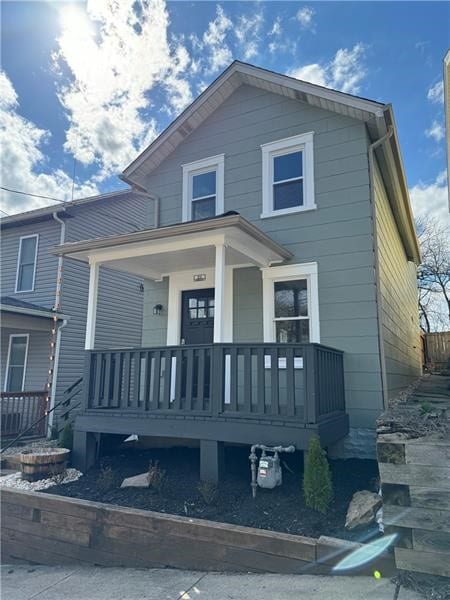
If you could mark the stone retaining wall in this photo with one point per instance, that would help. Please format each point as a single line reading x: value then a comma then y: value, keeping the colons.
x: 415, y: 482
x: 49, y: 529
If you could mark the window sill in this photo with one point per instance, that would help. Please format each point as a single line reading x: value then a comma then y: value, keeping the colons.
x: 288, y: 211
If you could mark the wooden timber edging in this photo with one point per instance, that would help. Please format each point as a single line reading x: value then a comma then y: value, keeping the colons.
x: 54, y: 530
x: 415, y: 483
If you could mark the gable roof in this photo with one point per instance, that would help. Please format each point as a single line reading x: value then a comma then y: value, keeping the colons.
x: 378, y: 117
x: 237, y: 74
x: 43, y: 214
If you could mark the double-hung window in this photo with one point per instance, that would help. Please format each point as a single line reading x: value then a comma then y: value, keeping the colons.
x: 288, y: 175
x: 16, y: 363
x: 203, y: 188
x: 26, y: 263
x: 291, y: 303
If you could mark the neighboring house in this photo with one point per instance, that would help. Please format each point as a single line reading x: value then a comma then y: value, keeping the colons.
x: 285, y: 232
x: 42, y: 343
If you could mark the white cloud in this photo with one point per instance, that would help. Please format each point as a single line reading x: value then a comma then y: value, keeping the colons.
x: 344, y: 72
x: 430, y: 200
x: 436, y: 131
x: 305, y: 17
x: 213, y: 41
x: 436, y: 93
x: 276, y: 27
x: 23, y: 163
x: 116, y: 53
x: 248, y: 30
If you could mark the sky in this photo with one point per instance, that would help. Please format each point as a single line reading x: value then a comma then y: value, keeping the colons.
x: 86, y: 86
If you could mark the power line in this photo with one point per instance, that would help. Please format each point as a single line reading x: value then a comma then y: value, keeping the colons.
x: 4, y: 212
x: 114, y: 217
x: 29, y: 194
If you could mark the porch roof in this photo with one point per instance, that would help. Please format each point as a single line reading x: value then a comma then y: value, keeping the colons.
x: 180, y: 247
x: 14, y: 305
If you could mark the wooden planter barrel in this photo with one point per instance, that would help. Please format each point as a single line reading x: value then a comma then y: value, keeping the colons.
x: 43, y: 463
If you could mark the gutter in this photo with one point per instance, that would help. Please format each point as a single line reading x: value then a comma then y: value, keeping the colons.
x: 382, y: 355
x: 55, y: 376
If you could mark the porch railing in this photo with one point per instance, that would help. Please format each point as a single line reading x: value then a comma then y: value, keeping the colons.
x: 19, y: 410
x: 276, y: 381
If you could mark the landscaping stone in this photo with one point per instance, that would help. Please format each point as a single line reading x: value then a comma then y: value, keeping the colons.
x: 141, y: 481
x: 362, y: 509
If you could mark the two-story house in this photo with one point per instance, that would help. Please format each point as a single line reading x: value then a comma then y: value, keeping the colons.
x: 280, y: 281
x: 44, y: 298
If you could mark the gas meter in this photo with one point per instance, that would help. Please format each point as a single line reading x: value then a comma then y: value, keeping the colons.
x: 269, y: 471
x: 266, y: 472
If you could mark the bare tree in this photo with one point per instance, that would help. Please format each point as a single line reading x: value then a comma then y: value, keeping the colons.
x: 433, y: 275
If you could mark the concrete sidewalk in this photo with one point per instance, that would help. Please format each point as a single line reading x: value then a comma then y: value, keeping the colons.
x: 20, y: 582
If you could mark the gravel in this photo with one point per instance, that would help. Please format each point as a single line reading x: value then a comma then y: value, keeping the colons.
x: 15, y: 481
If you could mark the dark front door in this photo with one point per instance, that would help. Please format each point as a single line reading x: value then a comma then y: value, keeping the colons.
x: 197, y: 319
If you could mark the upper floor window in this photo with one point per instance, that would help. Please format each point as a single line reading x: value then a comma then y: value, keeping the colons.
x: 203, y: 188
x: 288, y: 175
x: 26, y: 263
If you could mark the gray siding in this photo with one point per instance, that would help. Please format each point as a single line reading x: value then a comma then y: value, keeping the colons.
x: 154, y: 331
x: 247, y: 305
x: 338, y: 235
x: 398, y: 288
x: 46, y: 266
x: 37, y: 359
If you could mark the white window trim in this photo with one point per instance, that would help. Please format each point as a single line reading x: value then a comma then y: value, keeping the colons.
x: 304, y: 143
x: 24, y: 237
x: 270, y: 275
x: 11, y: 337
x: 197, y: 167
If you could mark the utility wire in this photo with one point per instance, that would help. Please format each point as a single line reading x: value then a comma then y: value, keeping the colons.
x: 29, y: 194
x: 4, y: 212
x: 114, y: 217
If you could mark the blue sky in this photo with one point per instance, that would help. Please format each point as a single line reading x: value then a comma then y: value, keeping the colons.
x: 97, y: 81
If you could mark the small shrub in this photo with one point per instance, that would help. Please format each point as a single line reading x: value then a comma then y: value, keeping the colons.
x: 208, y: 491
x: 156, y: 476
x: 66, y: 436
x: 426, y: 407
x: 106, y: 479
x: 317, y: 484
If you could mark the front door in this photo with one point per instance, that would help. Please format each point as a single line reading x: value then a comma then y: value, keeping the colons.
x: 197, y: 317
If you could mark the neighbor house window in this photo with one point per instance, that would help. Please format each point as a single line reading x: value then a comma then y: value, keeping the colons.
x: 16, y: 363
x: 291, y: 304
x: 288, y: 175
x: 26, y: 263
x: 203, y: 188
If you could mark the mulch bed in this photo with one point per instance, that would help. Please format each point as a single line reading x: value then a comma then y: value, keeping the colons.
x: 281, y: 509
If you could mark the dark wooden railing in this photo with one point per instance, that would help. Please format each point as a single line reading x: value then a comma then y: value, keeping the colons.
x: 19, y: 410
x: 275, y: 381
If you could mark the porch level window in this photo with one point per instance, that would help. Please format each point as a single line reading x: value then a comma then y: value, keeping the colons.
x: 17, y: 356
x: 203, y: 195
x: 291, y: 311
x: 26, y: 263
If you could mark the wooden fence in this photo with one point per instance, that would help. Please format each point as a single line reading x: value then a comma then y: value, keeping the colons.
x: 47, y: 529
x: 415, y: 483
x: 437, y: 350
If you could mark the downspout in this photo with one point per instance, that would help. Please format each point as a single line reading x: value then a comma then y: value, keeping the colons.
x: 54, y: 375
x: 378, y: 299
x: 156, y: 208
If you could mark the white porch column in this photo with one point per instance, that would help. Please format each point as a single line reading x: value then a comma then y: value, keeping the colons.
x: 92, y: 306
x: 219, y: 294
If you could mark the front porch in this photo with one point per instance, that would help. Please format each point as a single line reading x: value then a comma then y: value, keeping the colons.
x: 207, y: 381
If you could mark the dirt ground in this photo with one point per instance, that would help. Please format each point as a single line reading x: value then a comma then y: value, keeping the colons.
x: 281, y: 509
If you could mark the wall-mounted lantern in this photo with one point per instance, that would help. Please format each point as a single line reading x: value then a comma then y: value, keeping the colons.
x: 157, y: 309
